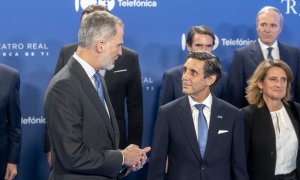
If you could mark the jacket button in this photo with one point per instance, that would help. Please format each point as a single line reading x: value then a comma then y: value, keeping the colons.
x: 272, y: 153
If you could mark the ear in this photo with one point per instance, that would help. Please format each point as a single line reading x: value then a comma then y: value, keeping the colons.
x: 99, y: 46
x: 211, y: 79
x: 260, y: 85
x: 189, y: 47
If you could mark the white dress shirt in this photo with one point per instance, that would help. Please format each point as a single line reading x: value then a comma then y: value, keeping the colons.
x: 206, y: 111
x: 286, y: 142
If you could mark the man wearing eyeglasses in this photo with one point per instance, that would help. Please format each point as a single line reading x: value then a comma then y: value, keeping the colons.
x: 269, y: 22
x: 199, y: 38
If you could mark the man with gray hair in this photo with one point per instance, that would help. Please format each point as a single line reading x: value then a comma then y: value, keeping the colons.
x: 269, y: 23
x: 82, y: 126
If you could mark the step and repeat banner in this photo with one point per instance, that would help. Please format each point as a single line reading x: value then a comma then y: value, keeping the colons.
x: 33, y: 31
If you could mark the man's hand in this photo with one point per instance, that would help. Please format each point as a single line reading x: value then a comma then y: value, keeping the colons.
x: 134, y: 157
x: 11, y: 171
x: 143, y: 160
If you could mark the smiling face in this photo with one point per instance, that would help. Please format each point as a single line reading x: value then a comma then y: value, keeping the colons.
x: 268, y: 26
x: 274, y: 85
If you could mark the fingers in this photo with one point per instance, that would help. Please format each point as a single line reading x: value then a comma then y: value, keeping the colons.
x: 11, y: 171
x: 134, y: 157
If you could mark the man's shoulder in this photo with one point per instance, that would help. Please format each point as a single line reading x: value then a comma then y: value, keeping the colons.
x: 70, y: 47
x: 175, y: 103
x: 7, y: 70
x: 251, y: 46
x: 128, y: 51
x: 173, y: 71
x: 287, y: 46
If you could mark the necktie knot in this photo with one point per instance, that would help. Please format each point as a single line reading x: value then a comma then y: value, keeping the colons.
x: 200, y: 107
x: 270, y: 57
x: 99, y: 86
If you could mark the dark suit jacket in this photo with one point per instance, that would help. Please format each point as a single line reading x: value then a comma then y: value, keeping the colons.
x: 10, y: 118
x: 175, y: 137
x: 261, y: 141
x: 246, y: 59
x: 84, y: 138
x: 171, y: 87
x: 124, y: 85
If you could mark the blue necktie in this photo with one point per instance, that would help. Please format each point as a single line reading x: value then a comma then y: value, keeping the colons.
x: 99, y: 86
x: 270, y: 57
x: 202, y: 128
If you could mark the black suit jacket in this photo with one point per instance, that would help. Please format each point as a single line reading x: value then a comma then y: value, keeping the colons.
x: 124, y: 89
x: 10, y: 118
x: 261, y: 141
x: 175, y: 137
x: 171, y: 87
x: 246, y: 59
x: 84, y: 138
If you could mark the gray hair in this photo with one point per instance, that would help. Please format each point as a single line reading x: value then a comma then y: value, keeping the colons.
x: 98, y: 24
x: 267, y: 8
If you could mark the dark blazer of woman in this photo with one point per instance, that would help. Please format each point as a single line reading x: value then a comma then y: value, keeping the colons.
x: 260, y: 140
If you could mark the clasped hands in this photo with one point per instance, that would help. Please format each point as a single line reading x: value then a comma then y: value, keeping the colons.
x: 134, y: 157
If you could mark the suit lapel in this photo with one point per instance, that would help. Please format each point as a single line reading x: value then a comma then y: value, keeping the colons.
x: 256, y: 53
x: 113, y: 122
x: 216, y: 122
x: 186, y: 121
x: 91, y: 92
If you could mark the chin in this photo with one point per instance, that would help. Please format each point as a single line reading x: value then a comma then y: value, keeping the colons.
x: 109, y: 66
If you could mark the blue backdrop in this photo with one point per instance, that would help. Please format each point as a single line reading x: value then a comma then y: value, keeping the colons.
x: 33, y: 31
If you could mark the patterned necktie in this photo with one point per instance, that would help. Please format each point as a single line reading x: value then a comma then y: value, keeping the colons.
x: 202, y: 128
x: 99, y: 86
x: 270, y: 57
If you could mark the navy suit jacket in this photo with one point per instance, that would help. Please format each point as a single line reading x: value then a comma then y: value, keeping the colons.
x: 10, y: 118
x: 171, y: 87
x: 246, y: 59
x: 260, y: 140
x: 124, y: 87
x: 175, y: 137
x: 84, y: 138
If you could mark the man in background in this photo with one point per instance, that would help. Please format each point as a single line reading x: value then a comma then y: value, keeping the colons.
x: 10, y: 122
x: 124, y: 89
x: 269, y: 23
x: 199, y: 38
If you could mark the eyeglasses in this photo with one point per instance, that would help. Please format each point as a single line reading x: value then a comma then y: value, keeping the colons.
x: 275, y: 80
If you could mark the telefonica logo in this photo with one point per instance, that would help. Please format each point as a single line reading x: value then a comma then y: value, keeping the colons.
x: 110, y: 4
x: 183, y: 42
x: 33, y: 120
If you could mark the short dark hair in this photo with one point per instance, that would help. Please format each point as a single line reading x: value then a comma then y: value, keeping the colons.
x: 212, y: 65
x: 93, y: 8
x: 199, y: 30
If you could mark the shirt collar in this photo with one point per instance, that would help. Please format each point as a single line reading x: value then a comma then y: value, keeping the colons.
x: 90, y: 71
x: 207, y: 101
x: 264, y: 46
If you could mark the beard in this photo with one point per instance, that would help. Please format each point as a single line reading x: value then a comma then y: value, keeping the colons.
x: 108, y: 65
